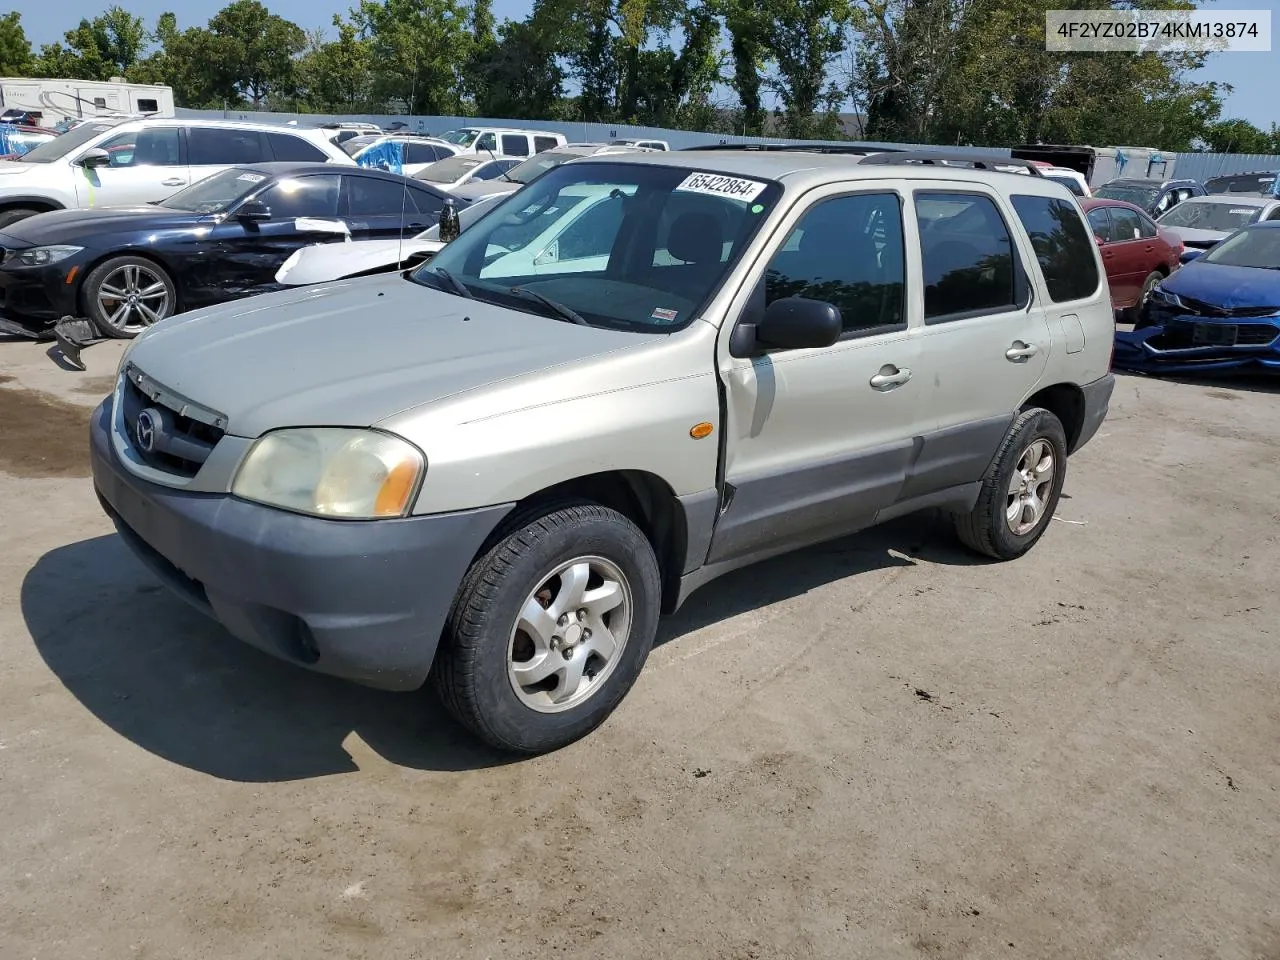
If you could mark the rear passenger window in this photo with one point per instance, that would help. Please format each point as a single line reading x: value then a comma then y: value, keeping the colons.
x: 515, y: 145
x: 287, y: 147
x: 967, y: 255
x: 223, y: 146
x: 847, y: 251
x: 373, y: 197
x: 1063, y: 246
x: 544, y: 143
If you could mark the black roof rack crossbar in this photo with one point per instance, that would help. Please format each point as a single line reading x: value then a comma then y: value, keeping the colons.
x: 978, y: 161
x: 859, y: 149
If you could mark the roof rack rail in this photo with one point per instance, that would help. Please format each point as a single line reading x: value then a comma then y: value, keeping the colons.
x: 977, y: 161
x: 861, y: 149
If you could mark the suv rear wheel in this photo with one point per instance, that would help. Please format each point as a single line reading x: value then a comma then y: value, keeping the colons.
x: 550, y: 629
x: 1020, y: 490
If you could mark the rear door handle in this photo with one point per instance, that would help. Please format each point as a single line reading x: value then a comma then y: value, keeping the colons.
x: 1020, y: 352
x: 890, y: 377
x: 173, y: 182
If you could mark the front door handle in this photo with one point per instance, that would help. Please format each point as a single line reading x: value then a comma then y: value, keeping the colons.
x: 1020, y: 352
x: 890, y: 377
x: 173, y: 182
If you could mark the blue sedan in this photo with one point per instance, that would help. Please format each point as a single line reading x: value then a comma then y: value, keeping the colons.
x: 1219, y: 311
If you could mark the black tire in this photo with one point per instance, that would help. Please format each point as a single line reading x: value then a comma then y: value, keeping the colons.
x: 1135, y: 312
x: 14, y: 214
x: 134, y: 321
x: 471, y: 669
x: 986, y: 529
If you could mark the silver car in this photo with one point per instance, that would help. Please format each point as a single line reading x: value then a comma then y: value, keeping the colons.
x: 500, y: 468
x: 1202, y: 221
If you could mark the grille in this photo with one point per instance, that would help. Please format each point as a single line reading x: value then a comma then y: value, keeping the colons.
x: 1256, y: 334
x: 1200, y: 308
x: 1185, y: 336
x: 181, y: 435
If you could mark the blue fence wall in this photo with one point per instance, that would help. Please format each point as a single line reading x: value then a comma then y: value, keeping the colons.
x: 1199, y: 166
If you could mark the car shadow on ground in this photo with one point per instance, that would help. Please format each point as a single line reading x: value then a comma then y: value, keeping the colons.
x: 1249, y: 382
x: 177, y: 685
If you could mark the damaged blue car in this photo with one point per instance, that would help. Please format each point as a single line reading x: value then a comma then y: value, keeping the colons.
x: 1220, y: 311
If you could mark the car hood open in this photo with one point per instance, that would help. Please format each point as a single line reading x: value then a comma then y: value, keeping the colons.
x: 352, y: 353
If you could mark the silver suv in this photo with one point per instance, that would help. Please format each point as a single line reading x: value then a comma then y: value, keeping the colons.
x: 110, y: 163
x: 500, y: 468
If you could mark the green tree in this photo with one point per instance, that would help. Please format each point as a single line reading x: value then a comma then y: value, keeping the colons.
x: 80, y: 59
x: 418, y: 49
x: 1240, y: 136
x: 750, y: 34
x: 256, y: 50
x: 336, y: 74
x: 15, y: 48
x: 806, y: 37
x: 519, y: 76
x: 121, y: 38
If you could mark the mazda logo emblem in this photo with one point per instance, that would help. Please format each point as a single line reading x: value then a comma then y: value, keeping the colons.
x: 145, y: 431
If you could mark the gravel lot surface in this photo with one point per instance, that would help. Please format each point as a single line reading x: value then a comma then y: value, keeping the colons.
x: 878, y: 748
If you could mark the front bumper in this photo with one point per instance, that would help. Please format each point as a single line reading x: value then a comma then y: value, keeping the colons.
x: 38, y: 294
x: 361, y: 600
x: 1187, y: 343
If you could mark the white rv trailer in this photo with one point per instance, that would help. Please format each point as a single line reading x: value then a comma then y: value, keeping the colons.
x: 56, y: 100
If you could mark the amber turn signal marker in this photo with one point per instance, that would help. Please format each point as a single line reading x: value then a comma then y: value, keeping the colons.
x: 700, y: 430
x: 393, y: 498
x: 71, y: 274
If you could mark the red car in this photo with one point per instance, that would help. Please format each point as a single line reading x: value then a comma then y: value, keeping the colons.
x: 1137, y: 254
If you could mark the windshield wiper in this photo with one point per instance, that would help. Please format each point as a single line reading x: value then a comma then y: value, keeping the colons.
x: 564, y: 313
x: 454, y: 282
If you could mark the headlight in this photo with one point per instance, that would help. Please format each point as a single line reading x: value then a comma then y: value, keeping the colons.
x: 332, y: 472
x: 1164, y: 296
x: 43, y: 256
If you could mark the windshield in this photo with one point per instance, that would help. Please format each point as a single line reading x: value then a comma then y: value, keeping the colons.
x: 216, y: 193
x: 462, y: 138
x: 1071, y: 183
x: 626, y: 246
x: 449, y: 169
x: 1242, y: 183
x: 1138, y: 196
x: 354, y: 145
x: 1208, y: 215
x: 60, y: 146
x: 1254, y: 247
x: 537, y: 165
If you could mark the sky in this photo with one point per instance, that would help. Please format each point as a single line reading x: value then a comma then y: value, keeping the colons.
x: 1255, y: 76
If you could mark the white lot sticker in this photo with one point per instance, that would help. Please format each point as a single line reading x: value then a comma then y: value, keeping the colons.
x: 662, y: 313
x: 1243, y: 210
x: 252, y: 177
x: 721, y: 186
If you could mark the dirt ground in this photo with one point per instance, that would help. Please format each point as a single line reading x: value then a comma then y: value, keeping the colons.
x: 879, y: 748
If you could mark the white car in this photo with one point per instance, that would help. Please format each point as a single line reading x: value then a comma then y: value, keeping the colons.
x: 502, y: 141
x: 1073, y: 180
x: 535, y: 166
x: 641, y: 144
x: 532, y: 239
x: 323, y: 262
x: 399, y: 153
x: 104, y: 163
x: 453, y: 172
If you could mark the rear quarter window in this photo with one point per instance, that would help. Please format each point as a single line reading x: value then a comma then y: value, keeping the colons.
x: 1062, y: 245
x: 544, y: 143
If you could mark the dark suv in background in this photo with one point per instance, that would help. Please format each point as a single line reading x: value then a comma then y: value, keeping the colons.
x: 1150, y: 194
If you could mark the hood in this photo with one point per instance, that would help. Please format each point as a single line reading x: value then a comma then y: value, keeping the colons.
x: 1196, y: 238
x: 1225, y: 286
x: 333, y: 261
x: 76, y: 226
x: 352, y: 353
x: 485, y: 188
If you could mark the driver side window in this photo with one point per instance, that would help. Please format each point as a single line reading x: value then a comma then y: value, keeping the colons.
x: 143, y: 148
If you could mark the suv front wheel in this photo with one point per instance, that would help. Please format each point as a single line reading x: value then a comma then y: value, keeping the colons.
x: 1020, y: 490
x: 550, y: 628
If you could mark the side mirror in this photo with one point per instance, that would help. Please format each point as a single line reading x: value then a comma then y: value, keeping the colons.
x: 1098, y: 240
x: 792, y: 323
x: 97, y: 157
x: 253, y: 211
x: 1191, y: 254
